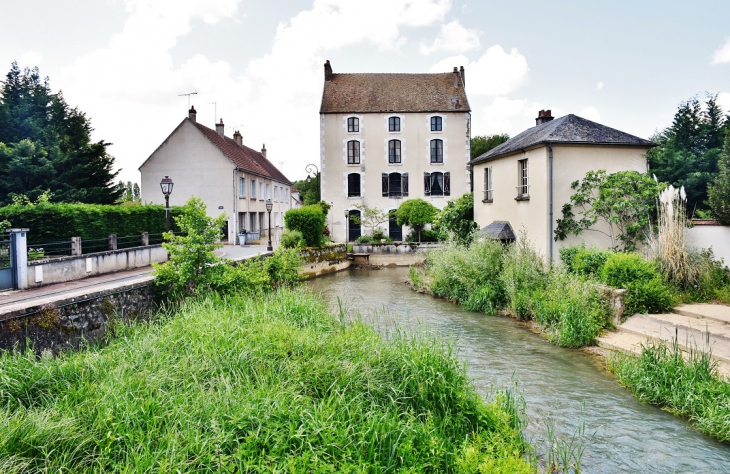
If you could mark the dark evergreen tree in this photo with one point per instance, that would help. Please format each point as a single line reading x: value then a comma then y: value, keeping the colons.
x: 46, y: 145
x: 719, y: 189
x: 689, y: 149
x: 481, y: 144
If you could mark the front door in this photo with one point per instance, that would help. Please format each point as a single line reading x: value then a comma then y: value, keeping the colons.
x: 354, y: 227
x: 395, y: 231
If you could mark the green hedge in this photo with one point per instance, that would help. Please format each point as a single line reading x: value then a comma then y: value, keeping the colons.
x: 53, y: 222
x: 309, y: 220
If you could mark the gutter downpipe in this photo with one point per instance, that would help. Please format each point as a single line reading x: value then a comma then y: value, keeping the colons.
x: 550, y: 237
x: 234, y: 218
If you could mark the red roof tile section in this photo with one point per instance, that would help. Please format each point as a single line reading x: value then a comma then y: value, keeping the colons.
x: 349, y: 93
x: 244, y: 157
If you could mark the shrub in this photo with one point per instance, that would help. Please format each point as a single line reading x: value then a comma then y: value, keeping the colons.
x: 291, y: 239
x: 648, y: 297
x: 647, y: 293
x: 416, y: 213
x: 426, y: 236
x: 378, y: 234
x: 309, y: 220
x: 457, y: 219
x: 567, y: 254
x: 523, y: 275
x: 590, y: 261
x: 364, y: 239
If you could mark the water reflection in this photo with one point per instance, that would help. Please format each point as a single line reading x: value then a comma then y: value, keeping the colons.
x: 564, y: 385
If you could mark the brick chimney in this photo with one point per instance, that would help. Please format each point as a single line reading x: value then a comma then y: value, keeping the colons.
x: 237, y: 136
x: 327, y: 71
x: 219, y: 128
x: 543, y: 116
x: 192, y: 114
x: 457, y: 78
x: 263, y: 150
x: 463, y: 76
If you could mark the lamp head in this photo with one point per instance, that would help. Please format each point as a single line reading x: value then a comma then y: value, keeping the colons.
x: 269, y: 205
x: 166, y: 185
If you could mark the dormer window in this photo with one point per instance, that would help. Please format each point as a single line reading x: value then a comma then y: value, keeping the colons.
x: 353, y: 124
x: 394, y: 124
x: 437, y: 124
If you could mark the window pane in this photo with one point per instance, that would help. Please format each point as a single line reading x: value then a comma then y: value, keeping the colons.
x: 394, y: 124
x: 437, y: 184
x: 394, y: 151
x: 437, y: 151
x: 353, y: 124
x: 436, y: 124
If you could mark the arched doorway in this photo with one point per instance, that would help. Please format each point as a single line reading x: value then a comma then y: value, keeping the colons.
x: 395, y: 231
x: 354, y: 227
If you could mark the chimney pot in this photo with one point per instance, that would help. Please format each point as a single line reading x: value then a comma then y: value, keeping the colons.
x: 263, y: 150
x: 237, y: 136
x: 219, y: 128
x: 192, y: 114
x: 543, y: 116
x: 327, y: 71
x: 456, y: 76
x: 463, y: 76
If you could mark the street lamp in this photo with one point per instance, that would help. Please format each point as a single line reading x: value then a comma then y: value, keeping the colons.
x: 347, y: 215
x: 311, y: 168
x: 269, y: 206
x: 166, y: 185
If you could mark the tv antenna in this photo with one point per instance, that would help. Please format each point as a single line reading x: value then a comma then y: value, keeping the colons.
x: 215, y: 111
x: 281, y: 166
x: 188, y: 94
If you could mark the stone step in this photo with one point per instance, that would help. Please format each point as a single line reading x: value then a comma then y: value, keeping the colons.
x: 715, y: 312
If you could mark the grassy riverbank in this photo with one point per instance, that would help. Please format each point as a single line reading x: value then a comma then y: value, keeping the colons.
x: 271, y: 383
x: 688, y: 387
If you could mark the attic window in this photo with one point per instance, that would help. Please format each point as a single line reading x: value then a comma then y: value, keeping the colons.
x: 353, y: 124
x: 394, y: 124
x: 436, y: 124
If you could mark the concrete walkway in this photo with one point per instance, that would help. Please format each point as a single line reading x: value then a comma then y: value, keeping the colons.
x: 16, y: 300
x: 695, y: 326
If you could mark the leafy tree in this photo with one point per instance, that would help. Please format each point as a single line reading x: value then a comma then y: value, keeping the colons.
x: 130, y: 192
x: 309, y: 190
x: 481, y: 144
x: 192, y: 267
x: 625, y: 201
x: 370, y: 217
x: 457, y: 219
x: 690, y: 148
x: 416, y: 213
x: 719, y: 190
x: 46, y: 145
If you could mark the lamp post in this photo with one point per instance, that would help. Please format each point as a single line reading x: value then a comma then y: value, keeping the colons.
x: 311, y: 168
x: 269, y: 206
x: 347, y: 215
x: 166, y: 185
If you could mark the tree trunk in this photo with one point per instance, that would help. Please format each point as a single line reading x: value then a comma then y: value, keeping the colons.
x: 419, y: 234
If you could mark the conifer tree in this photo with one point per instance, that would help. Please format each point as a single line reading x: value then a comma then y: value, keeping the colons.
x: 719, y: 189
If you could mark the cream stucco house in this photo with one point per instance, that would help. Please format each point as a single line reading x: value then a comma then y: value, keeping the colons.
x: 385, y: 138
x: 524, y: 182
x: 228, y: 176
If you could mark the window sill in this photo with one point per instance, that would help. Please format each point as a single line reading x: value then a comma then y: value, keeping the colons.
x: 354, y: 164
x: 354, y: 197
x: 437, y: 163
x: 395, y: 164
x: 437, y: 131
x: 524, y: 197
x: 487, y: 201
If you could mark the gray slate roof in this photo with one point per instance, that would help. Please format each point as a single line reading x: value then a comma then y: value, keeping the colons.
x: 499, y: 230
x: 564, y: 130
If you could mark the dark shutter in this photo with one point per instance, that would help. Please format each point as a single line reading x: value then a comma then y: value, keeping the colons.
x: 427, y: 183
x: 385, y: 184
x: 447, y: 184
x: 404, y: 184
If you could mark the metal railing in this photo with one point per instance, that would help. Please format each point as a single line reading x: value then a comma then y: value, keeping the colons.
x: 40, y: 250
x: 78, y: 246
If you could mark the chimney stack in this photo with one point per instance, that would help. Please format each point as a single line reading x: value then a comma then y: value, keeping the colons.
x: 327, y: 71
x: 237, y: 136
x: 192, y: 114
x: 263, y: 150
x: 219, y: 128
x: 543, y: 116
x: 456, y: 77
x: 463, y: 76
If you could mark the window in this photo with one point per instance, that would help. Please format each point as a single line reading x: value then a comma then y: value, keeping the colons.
x: 488, y: 190
x: 353, y: 185
x: 268, y: 191
x: 437, y: 151
x: 243, y: 187
x: 276, y: 219
x: 353, y: 124
x: 394, y: 151
x: 261, y: 191
x: 253, y: 222
x: 436, y: 124
x: 394, y: 124
x: 395, y: 185
x: 353, y: 152
x: 276, y: 194
x: 523, y: 181
x: 437, y: 183
x: 253, y: 189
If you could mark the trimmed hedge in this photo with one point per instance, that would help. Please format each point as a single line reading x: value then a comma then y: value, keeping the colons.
x: 309, y: 220
x: 53, y: 222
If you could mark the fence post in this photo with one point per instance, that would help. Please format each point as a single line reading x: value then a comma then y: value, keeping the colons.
x: 19, y: 257
x: 112, y: 242
x: 75, y: 245
x: 145, y: 239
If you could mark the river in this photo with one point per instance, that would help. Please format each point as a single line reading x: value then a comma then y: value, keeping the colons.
x: 565, y: 388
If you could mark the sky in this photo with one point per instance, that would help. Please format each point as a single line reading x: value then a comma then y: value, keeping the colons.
x: 259, y: 65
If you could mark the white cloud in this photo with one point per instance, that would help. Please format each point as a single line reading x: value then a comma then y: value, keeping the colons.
x: 722, y: 55
x: 495, y: 73
x: 590, y: 113
x: 30, y: 59
x: 723, y: 99
x: 599, y: 86
x: 453, y: 37
x: 507, y: 115
x: 130, y: 86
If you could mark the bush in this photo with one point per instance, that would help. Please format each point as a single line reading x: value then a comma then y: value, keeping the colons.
x: 426, y: 236
x: 457, y: 219
x: 364, y: 239
x: 378, y: 234
x: 647, y: 292
x: 523, y: 275
x: 291, y: 239
x: 590, y: 261
x: 309, y: 220
x: 567, y: 254
x: 51, y: 222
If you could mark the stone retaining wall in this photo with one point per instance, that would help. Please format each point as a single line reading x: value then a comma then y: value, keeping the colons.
x: 67, y: 323
x: 318, y: 261
x: 396, y: 254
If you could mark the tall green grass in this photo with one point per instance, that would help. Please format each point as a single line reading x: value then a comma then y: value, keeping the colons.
x: 271, y: 383
x: 687, y: 386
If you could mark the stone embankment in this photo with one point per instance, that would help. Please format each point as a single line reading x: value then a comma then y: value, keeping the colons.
x: 704, y: 327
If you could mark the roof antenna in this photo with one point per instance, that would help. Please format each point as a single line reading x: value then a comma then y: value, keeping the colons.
x: 215, y: 111
x: 188, y: 94
x: 281, y: 166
